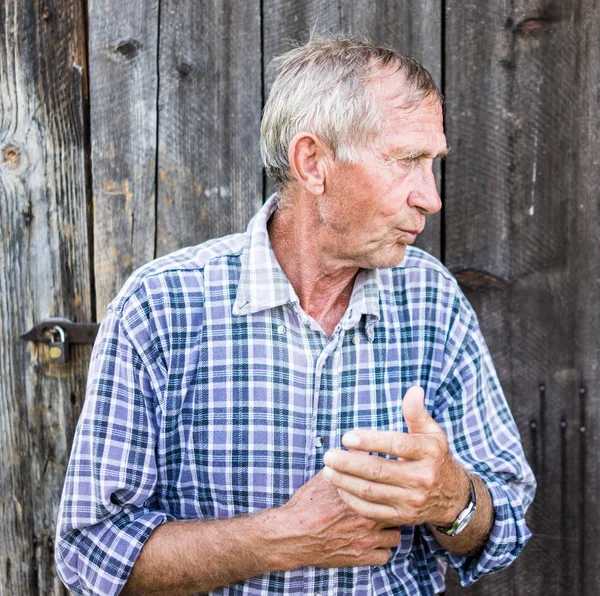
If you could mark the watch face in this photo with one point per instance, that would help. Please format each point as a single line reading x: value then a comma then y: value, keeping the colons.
x: 463, y: 523
x: 464, y: 517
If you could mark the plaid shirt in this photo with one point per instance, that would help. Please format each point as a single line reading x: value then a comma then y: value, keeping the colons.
x: 212, y: 394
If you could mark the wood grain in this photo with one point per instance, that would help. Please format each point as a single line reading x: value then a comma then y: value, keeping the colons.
x: 123, y: 42
x: 412, y: 28
x: 209, y: 172
x: 185, y: 81
x: 522, y: 207
x: 44, y: 271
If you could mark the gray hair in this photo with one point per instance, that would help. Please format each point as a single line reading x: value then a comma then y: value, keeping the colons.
x: 322, y: 87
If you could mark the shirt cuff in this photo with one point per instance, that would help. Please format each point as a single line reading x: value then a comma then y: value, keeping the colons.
x: 508, y: 537
x: 98, y: 559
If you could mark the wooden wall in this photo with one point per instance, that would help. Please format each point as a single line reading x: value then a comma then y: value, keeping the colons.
x: 45, y: 225
x: 522, y: 210
x: 130, y: 129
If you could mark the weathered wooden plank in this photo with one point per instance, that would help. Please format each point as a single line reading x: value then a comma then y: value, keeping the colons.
x: 522, y: 84
x: 123, y: 117
x: 44, y: 271
x: 209, y: 173
x: 413, y: 28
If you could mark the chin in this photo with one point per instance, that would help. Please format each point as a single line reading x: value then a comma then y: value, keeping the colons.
x: 392, y: 258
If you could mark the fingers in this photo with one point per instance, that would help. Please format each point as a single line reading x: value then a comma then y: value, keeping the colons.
x: 416, y: 416
x: 377, y: 557
x: 382, y: 556
x: 377, y: 469
x: 389, y: 442
x: 373, y: 492
x: 405, y: 500
x: 390, y: 538
x: 374, y: 511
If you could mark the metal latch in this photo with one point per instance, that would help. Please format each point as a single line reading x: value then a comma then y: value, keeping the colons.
x: 58, y: 333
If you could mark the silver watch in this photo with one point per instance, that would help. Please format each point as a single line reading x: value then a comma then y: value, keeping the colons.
x: 464, y: 517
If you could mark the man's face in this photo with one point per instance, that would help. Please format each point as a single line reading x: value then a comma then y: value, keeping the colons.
x: 376, y: 206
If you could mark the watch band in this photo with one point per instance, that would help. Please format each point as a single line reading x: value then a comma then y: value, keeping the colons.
x: 464, y: 517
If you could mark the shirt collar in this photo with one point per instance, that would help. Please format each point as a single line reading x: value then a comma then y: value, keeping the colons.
x: 263, y: 284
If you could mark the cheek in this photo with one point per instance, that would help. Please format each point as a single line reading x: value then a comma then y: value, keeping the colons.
x: 391, y: 208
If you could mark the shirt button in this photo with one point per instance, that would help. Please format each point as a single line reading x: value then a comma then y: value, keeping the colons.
x: 355, y: 340
x: 319, y: 442
x: 281, y: 329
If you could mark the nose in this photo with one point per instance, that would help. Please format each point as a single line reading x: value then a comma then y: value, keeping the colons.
x: 424, y: 195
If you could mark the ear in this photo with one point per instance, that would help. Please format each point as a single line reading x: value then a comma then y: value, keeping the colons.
x: 309, y: 157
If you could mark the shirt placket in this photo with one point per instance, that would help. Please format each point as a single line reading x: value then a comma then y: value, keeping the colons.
x: 326, y: 356
x: 324, y: 399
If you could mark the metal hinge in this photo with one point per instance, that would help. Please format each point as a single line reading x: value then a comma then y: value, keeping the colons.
x: 59, y: 333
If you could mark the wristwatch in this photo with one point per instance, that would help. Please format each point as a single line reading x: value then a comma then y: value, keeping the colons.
x: 464, y: 517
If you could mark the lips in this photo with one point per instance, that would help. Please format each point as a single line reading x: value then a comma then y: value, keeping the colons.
x: 411, y: 235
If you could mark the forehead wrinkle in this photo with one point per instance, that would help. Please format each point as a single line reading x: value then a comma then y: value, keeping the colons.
x: 425, y: 121
x: 417, y: 145
x: 393, y: 91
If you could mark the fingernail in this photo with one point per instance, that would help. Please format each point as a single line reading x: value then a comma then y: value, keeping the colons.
x: 327, y: 473
x: 350, y: 440
x: 328, y: 458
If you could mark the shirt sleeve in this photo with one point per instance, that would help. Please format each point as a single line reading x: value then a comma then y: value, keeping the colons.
x: 106, y: 512
x: 483, y: 437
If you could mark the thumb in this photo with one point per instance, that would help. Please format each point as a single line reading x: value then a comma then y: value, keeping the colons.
x: 417, y: 417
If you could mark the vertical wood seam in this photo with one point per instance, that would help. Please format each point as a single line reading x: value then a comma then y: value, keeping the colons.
x: 582, y: 487
x: 87, y: 168
x: 564, y: 528
x: 156, y: 144
x: 443, y: 164
x: 263, y: 91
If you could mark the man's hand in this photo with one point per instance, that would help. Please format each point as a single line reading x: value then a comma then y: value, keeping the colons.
x: 314, y: 528
x: 423, y: 485
x: 322, y: 531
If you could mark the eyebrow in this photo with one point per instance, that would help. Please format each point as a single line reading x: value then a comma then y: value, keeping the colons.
x: 416, y: 154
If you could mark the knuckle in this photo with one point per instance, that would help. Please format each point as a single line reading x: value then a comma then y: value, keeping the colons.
x: 425, y: 476
x: 414, y: 520
x: 341, y: 462
x: 366, y: 491
x: 369, y: 542
x: 418, y: 500
x: 437, y: 452
x: 438, y: 449
x: 378, y: 471
x: 397, y: 443
x: 428, y: 478
x: 369, y: 524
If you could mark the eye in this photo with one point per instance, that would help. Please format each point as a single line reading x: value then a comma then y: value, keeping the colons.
x: 407, y: 160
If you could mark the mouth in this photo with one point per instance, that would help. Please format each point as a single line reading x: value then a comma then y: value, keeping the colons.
x: 411, y: 235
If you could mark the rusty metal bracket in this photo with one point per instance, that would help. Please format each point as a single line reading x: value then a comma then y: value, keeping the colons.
x: 76, y: 333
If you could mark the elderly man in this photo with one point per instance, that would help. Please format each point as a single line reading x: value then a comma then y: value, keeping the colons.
x: 227, y: 377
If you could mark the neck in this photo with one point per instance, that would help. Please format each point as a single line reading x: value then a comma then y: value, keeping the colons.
x: 323, y: 283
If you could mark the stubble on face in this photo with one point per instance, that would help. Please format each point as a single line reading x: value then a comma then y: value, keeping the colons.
x: 373, y: 204
x: 359, y: 228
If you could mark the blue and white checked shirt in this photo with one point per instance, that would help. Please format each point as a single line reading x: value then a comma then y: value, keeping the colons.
x: 212, y: 394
